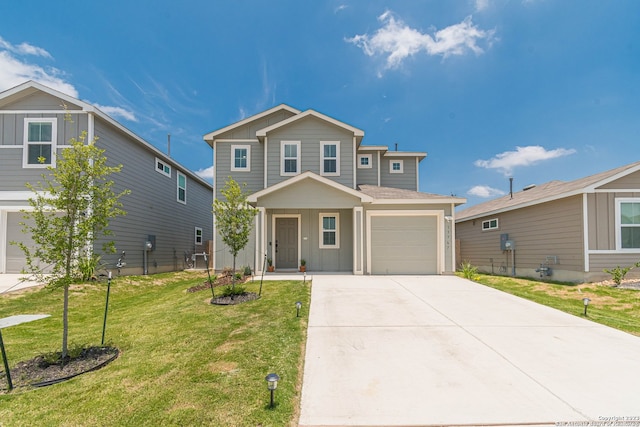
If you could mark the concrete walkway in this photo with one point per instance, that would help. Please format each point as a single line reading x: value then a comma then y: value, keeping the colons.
x: 14, y: 282
x: 440, y: 350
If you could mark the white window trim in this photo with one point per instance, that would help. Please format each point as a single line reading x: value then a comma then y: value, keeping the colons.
x: 322, y: 158
x: 391, y: 162
x: 335, y: 215
x: 365, y: 156
x: 489, y: 228
x: 178, y: 175
x: 197, y: 237
x: 164, y: 165
x: 233, y: 158
x: 54, y: 140
x: 282, y: 159
x: 619, y: 202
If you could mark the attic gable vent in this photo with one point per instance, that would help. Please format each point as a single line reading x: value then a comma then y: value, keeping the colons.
x: 529, y: 187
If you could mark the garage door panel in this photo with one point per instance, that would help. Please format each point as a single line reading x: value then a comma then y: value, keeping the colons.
x: 404, y: 245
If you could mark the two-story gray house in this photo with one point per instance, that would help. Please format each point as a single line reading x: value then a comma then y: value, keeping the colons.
x: 169, y: 205
x: 324, y: 197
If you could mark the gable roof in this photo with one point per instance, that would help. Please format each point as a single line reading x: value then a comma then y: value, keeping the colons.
x: 30, y: 87
x: 212, y: 135
x: 389, y: 195
x: 253, y: 198
x: 546, y: 192
x: 358, y: 133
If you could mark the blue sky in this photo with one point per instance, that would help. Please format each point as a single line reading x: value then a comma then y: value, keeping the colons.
x: 535, y: 89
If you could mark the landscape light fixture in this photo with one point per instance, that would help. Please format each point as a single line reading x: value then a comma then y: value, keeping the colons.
x: 298, y: 307
x: 305, y: 277
x: 586, y: 302
x: 272, y: 384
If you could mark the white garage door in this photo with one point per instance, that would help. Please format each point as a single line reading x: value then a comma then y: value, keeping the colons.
x: 404, y: 244
x: 15, y: 259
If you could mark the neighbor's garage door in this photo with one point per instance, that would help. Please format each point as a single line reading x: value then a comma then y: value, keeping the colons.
x: 15, y: 259
x: 404, y: 244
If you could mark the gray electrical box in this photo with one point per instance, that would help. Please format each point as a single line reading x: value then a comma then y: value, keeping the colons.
x: 503, y: 240
x: 509, y: 245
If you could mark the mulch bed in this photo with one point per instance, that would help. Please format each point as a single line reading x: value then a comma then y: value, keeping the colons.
x: 38, y: 373
x: 225, y: 280
x: 221, y: 280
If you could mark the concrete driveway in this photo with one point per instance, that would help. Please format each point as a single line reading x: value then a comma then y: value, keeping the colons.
x: 440, y: 350
x: 15, y: 282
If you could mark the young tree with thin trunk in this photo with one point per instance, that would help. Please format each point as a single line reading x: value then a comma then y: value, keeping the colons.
x: 70, y: 211
x: 234, y: 219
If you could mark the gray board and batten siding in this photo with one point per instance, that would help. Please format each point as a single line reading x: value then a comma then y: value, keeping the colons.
x: 153, y: 208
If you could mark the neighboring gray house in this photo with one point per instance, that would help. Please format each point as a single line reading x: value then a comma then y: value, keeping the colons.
x: 168, y: 204
x: 576, y: 229
x: 324, y: 197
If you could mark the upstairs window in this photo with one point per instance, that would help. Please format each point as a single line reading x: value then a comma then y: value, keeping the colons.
x: 628, y: 219
x: 396, y: 166
x: 329, y: 231
x: 290, y: 158
x: 39, y: 143
x: 182, y: 188
x: 490, y: 224
x: 241, y: 158
x: 330, y: 158
x: 364, y: 161
x: 163, y: 168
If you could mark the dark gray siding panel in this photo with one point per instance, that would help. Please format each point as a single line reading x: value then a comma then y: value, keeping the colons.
x: 368, y: 176
x: 152, y: 208
x: 248, y: 131
x: 405, y: 180
x: 254, y: 178
x: 310, y: 131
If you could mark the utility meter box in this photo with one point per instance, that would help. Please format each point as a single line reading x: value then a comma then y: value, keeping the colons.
x: 503, y: 240
x: 509, y: 245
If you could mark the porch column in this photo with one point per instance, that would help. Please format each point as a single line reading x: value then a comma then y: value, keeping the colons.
x: 261, y: 247
x: 358, y: 240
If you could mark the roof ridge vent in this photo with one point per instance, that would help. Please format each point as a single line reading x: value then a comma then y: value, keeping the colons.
x: 529, y: 187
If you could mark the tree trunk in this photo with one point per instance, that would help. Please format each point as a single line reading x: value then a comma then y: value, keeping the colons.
x: 65, y: 321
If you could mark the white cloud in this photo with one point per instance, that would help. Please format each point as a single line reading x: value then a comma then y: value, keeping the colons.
x: 118, y: 112
x: 523, y: 156
x: 340, y: 8
x: 24, y: 49
x: 206, y: 173
x: 14, y: 72
x: 397, y: 41
x: 485, y: 191
x: 481, y: 5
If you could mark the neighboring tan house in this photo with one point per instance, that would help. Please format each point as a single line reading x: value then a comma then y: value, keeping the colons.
x: 168, y: 205
x: 325, y: 198
x: 566, y: 231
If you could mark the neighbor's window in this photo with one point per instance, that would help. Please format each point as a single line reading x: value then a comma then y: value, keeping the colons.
x: 182, y: 188
x: 629, y: 224
x: 163, y: 168
x: 290, y: 158
x: 490, y: 224
x: 364, y: 161
x: 241, y: 158
x: 39, y: 143
x: 396, y: 166
x: 329, y: 231
x: 198, y: 235
x: 330, y: 158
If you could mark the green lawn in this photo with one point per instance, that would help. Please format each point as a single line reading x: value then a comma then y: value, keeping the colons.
x: 183, y: 361
x: 615, y: 307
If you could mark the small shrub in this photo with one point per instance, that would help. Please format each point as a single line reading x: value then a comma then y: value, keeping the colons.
x: 238, y: 276
x: 469, y: 271
x: 618, y: 273
x: 229, y: 291
x: 87, y: 266
x: 247, y: 271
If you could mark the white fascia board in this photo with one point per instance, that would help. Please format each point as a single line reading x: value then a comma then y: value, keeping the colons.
x: 373, y: 148
x: 356, y: 132
x: 35, y: 85
x: 592, y: 188
x: 253, y: 198
x: 211, y: 135
x: 523, y: 205
x: 16, y: 195
x: 445, y: 200
x: 420, y: 155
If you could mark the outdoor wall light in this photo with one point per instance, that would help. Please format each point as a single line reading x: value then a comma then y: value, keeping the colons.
x: 272, y: 384
x: 298, y: 307
x: 586, y: 302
